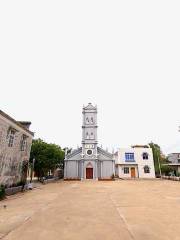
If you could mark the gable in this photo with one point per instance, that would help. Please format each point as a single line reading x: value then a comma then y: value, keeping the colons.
x: 104, y: 155
x: 75, y: 155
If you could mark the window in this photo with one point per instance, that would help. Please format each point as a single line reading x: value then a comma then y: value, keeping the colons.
x: 92, y: 136
x: 145, y: 156
x: 87, y: 120
x: 87, y: 135
x: 146, y: 169
x: 11, y: 138
x: 1, y: 136
x: 126, y: 170
x: 129, y: 157
x: 92, y: 120
x: 23, y: 143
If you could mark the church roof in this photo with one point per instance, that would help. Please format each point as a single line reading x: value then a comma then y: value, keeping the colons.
x: 103, y: 152
x: 74, y: 153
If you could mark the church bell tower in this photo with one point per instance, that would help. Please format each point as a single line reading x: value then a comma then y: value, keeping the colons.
x: 89, y: 132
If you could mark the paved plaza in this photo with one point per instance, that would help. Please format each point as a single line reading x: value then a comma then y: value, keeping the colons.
x: 92, y: 210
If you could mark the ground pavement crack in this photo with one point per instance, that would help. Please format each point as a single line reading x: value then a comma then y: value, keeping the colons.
x: 25, y: 220
x: 122, y: 218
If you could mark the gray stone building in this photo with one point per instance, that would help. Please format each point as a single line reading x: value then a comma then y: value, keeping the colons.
x: 15, y: 146
x: 174, y: 162
x: 174, y: 158
x: 89, y: 161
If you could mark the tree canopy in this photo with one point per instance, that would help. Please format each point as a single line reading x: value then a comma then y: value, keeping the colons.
x: 47, y: 157
x: 157, y: 155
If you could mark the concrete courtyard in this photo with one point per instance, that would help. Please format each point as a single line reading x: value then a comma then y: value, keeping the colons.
x: 132, y: 209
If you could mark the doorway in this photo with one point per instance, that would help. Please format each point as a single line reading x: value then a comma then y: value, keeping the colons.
x: 133, y: 172
x: 89, y: 173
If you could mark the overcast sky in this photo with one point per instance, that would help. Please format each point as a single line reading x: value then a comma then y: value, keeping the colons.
x: 123, y: 56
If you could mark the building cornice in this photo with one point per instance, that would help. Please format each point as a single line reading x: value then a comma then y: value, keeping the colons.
x: 15, y: 122
x: 89, y: 126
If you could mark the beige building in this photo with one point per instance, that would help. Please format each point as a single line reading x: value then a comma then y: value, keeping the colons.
x: 15, y: 146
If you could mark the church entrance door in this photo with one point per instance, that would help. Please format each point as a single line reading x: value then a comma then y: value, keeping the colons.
x: 89, y: 173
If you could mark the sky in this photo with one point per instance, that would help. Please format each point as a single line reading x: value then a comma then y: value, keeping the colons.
x: 123, y: 56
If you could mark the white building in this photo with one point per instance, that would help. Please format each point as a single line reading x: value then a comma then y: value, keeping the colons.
x: 135, y: 162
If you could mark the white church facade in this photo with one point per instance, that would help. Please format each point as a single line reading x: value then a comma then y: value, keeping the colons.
x: 92, y: 162
x: 89, y: 161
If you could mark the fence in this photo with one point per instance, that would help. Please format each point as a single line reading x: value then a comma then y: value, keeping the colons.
x: 173, y: 178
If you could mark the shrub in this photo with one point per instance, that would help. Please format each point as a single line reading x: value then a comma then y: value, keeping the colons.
x: 166, y: 169
x: 112, y: 176
x: 2, y: 192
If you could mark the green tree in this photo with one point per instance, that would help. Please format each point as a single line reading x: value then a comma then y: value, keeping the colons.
x: 47, y: 157
x: 166, y: 169
x: 157, y: 155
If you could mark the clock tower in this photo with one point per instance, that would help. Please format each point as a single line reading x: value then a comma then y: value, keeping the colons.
x: 89, y: 132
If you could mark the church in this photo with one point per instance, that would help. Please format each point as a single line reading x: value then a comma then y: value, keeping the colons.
x: 89, y: 161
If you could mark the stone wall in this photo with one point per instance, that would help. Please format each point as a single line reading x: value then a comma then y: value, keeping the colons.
x: 12, y: 159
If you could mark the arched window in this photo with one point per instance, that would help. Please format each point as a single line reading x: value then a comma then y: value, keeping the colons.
x: 87, y: 120
x: 87, y: 135
x: 146, y: 169
x: 92, y: 121
x: 145, y: 155
x: 92, y: 135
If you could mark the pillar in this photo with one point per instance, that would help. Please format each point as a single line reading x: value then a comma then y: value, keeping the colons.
x: 96, y: 170
x: 65, y: 169
x: 82, y: 169
x: 101, y: 169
